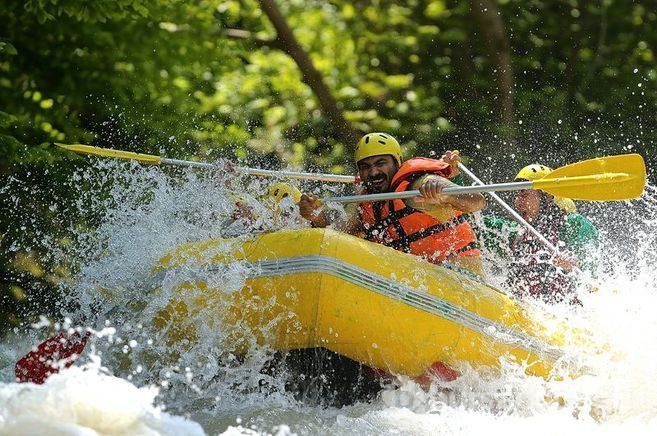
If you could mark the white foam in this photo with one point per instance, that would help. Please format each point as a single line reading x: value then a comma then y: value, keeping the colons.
x: 85, y: 402
x: 618, y: 395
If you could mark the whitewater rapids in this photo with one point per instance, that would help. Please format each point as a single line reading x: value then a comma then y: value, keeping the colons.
x: 124, y: 384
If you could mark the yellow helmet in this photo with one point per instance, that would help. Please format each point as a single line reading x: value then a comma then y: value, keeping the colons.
x: 279, y: 190
x: 376, y: 144
x: 533, y: 172
x: 536, y: 172
x: 565, y: 204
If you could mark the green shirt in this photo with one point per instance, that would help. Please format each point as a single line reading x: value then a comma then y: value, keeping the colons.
x: 498, y: 234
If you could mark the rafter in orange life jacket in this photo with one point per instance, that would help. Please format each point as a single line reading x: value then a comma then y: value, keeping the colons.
x: 394, y: 224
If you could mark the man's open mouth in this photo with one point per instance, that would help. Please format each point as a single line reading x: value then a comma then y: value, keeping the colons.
x: 378, y: 183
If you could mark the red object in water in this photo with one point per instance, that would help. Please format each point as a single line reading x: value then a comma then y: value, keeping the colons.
x: 440, y: 370
x: 50, y: 356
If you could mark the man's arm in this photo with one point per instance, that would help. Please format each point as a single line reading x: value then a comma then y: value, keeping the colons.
x: 319, y: 217
x: 431, y: 185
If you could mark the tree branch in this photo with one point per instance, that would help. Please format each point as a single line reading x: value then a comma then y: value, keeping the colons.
x: 499, y: 49
x: 309, y: 73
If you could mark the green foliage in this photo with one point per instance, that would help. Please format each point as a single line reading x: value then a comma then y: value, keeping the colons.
x: 86, y: 11
x: 171, y: 78
x: 583, y: 70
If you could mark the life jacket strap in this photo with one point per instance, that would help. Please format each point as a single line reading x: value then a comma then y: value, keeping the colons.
x: 376, y: 230
x: 471, y: 246
x: 404, y: 243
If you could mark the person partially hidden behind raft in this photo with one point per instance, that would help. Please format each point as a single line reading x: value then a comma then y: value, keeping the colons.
x: 533, y: 270
x: 431, y: 226
x: 279, y: 201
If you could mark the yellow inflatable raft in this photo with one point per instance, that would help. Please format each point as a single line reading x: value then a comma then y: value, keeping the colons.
x: 378, y: 306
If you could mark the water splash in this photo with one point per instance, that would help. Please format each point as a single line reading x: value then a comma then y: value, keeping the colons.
x: 144, y: 213
x: 86, y: 401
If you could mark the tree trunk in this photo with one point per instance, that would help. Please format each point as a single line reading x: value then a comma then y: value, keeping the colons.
x: 288, y: 42
x: 499, y: 52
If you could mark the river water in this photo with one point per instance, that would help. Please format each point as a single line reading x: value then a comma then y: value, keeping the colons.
x: 133, y: 379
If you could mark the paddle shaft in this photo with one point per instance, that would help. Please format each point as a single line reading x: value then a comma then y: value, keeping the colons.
x: 157, y: 160
x: 264, y: 173
x: 516, y: 216
x: 612, y: 178
x: 452, y: 190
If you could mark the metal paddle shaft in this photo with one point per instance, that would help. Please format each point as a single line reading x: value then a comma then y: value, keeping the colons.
x: 452, y: 190
x: 516, y: 216
x: 157, y: 160
x: 610, y: 178
x: 298, y: 175
x: 264, y: 173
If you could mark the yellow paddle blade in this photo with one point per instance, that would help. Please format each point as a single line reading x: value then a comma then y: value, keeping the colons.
x: 620, y: 177
x: 108, y: 152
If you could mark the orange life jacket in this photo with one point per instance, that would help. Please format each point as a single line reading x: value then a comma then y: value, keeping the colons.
x: 409, y: 230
